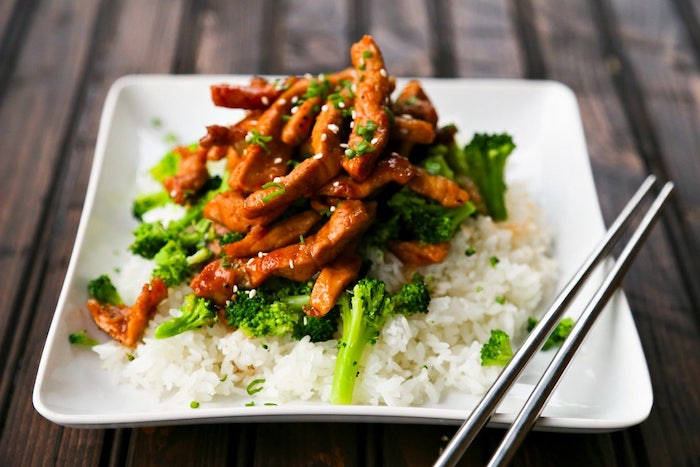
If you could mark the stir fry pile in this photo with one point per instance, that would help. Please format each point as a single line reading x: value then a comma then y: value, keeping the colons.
x: 319, y: 169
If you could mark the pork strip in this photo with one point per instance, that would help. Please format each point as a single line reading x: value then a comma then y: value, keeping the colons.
x: 192, y: 174
x: 371, y: 124
x: 311, y: 174
x: 418, y: 253
x: 441, y: 189
x: 302, y: 260
x: 265, y: 238
x: 126, y: 323
x: 332, y: 281
x: 394, y: 168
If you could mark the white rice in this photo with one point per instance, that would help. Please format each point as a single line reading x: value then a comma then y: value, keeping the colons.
x: 417, y: 360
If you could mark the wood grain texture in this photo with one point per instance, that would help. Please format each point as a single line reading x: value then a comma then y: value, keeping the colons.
x: 41, y: 94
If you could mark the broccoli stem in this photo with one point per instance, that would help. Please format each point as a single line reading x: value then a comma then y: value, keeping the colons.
x: 346, y: 371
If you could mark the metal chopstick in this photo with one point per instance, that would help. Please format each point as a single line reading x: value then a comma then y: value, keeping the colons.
x: 493, y: 396
x: 550, y: 378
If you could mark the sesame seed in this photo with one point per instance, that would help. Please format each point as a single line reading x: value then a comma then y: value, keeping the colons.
x: 250, y: 261
x: 295, y: 99
x: 341, y: 105
x: 336, y: 183
x: 374, y: 140
x: 277, y: 179
x: 282, y: 101
x: 352, y: 124
x: 344, y: 145
x: 265, y: 100
x: 332, y: 209
x: 260, y: 254
x: 278, y: 160
x: 324, y: 137
x: 383, y: 72
x: 291, y: 264
x: 295, y: 109
x: 251, y: 293
x: 334, y: 128
x: 235, y: 288
x: 318, y: 156
x: 324, y: 107
x: 354, y: 115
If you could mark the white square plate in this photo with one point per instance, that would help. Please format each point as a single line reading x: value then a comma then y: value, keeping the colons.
x: 607, y: 387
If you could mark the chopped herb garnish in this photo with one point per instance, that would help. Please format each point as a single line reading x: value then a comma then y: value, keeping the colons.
x: 367, y: 54
x: 255, y: 386
x: 230, y: 237
x: 194, y: 405
x: 469, y: 251
x: 500, y: 300
x: 318, y: 88
x: 258, y: 139
x: 81, y: 338
x: 494, y: 261
x: 280, y: 191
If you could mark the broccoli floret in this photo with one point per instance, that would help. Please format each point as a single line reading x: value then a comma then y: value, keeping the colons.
x: 103, y: 290
x: 435, y: 163
x: 497, y: 351
x: 560, y: 332
x: 167, y: 166
x: 177, y: 247
x: 253, y: 312
x: 425, y: 219
x: 81, y: 338
x: 412, y: 297
x: 149, y: 238
x: 318, y: 329
x: 275, y: 309
x: 483, y: 161
x: 145, y: 202
x: 363, y: 311
x: 196, y: 312
x: 171, y: 264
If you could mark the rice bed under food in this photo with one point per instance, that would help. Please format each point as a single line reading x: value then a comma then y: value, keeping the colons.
x: 417, y: 360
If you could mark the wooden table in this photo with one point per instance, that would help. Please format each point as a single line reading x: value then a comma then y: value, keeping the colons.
x: 632, y: 64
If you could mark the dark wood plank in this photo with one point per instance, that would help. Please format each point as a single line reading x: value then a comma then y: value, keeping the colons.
x: 657, y: 60
x: 402, y: 30
x: 118, y: 49
x: 38, y: 101
x: 321, y: 444
x: 311, y: 37
x: 225, y: 42
x: 173, y: 445
x: 572, y: 44
x: 485, y: 40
